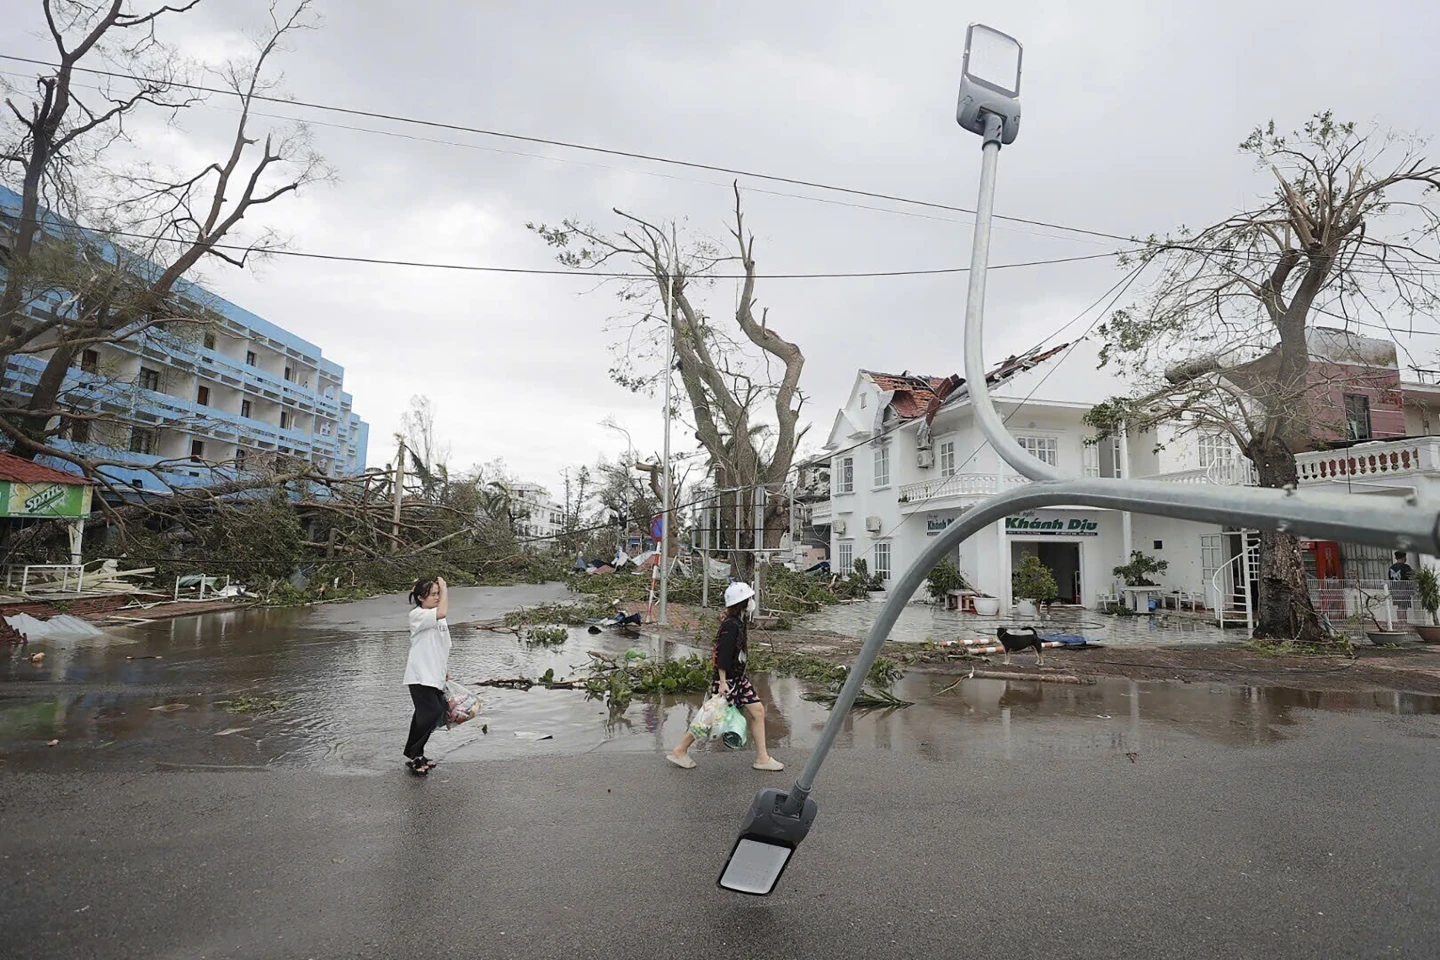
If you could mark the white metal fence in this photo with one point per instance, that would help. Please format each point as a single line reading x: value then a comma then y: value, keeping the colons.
x: 1360, y: 604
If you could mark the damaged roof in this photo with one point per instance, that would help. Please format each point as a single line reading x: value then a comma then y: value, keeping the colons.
x: 19, y: 470
x: 917, y: 395
x: 911, y: 392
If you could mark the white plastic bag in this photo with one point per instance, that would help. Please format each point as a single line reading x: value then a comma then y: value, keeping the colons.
x: 708, y: 716
x: 461, y: 704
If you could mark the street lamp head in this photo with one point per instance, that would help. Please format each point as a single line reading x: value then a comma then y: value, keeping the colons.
x: 773, y: 828
x: 990, y: 84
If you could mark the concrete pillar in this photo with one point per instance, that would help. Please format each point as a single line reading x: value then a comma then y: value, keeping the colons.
x: 77, y: 533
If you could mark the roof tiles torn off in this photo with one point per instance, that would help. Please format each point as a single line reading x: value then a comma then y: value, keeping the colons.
x: 914, y: 395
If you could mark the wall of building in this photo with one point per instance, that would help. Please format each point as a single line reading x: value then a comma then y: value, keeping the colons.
x: 1169, y: 451
x: 249, y: 392
x: 1333, y: 382
x: 1180, y: 546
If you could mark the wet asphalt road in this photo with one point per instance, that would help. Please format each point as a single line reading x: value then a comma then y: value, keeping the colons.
x: 998, y: 819
x: 1322, y: 844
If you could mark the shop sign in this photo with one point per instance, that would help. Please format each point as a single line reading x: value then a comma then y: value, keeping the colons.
x: 44, y: 499
x: 1031, y: 525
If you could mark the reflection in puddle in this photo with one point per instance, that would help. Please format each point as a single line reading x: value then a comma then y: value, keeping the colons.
x: 321, y: 687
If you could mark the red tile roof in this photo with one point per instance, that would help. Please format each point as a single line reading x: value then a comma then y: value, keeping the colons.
x: 912, y: 392
x: 19, y: 470
x: 915, y: 395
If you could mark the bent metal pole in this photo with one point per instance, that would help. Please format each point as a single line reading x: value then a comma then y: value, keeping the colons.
x: 1324, y: 516
x: 1407, y: 526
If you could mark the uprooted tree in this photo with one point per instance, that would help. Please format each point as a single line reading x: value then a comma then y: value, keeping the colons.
x: 727, y: 379
x: 1222, y: 343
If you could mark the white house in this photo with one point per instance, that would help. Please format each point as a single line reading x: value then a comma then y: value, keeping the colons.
x: 907, y: 459
x: 538, y: 518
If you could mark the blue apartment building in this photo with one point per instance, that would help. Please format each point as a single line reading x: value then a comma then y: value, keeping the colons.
x: 236, y: 395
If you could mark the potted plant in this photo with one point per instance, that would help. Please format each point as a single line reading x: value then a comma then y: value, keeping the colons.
x: 986, y: 605
x: 1137, y: 572
x: 860, y: 570
x: 945, y: 579
x: 1034, y: 585
x: 1427, y: 591
x: 1386, y: 636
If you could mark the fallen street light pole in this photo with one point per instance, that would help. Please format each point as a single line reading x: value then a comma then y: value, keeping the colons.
x: 780, y: 819
x: 777, y: 822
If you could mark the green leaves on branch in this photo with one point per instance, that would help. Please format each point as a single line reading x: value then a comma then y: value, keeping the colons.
x: 546, y: 636
x: 1137, y: 572
x: 1033, y: 581
x: 617, y: 680
x: 946, y: 576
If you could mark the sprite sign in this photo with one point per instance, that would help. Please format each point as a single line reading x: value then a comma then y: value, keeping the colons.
x: 44, y: 499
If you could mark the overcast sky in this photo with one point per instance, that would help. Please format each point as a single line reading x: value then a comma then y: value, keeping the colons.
x: 1133, y: 112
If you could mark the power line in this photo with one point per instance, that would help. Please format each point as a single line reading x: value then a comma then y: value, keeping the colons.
x: 1180, y: 246
x: 559, y: 272
x: 582, y: 147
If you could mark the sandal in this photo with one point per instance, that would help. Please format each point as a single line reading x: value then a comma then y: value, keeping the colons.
x: 684, y: 763
x: 419, y: 766
x: 769, y: 764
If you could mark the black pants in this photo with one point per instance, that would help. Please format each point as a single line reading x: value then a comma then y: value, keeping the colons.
x: 430, y: 706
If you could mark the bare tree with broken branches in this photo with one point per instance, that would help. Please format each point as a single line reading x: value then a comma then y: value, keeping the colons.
x: 743, y: 390
x: 70, y: 288
x: 1222, y: 342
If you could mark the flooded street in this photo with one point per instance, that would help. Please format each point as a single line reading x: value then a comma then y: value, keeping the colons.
x: 319, y: 688
x: 230, y: 785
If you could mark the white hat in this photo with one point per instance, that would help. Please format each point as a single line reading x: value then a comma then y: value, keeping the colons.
x: 737, y: 592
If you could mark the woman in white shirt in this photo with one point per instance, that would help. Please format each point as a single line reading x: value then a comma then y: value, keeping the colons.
x: 428, y: 667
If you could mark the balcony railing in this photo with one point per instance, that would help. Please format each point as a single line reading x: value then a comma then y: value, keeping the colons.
x: 1230, y: 471
x: 957, y: 486
x: 1374, y: 461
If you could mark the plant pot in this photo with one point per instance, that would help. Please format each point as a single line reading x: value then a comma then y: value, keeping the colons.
x: 1386, y: 638
x: 987, y: 606
x: 1026, y: 608
x: 1429, y: 634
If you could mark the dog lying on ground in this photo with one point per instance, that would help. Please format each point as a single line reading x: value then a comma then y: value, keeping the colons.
x: 1015, y: 639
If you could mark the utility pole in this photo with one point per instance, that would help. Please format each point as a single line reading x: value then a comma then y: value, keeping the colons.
x: 708, y: 513
x: 399, y: 493
x: 664, y: 617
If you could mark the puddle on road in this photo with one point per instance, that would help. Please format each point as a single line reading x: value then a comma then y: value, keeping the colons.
x: 321, y: 688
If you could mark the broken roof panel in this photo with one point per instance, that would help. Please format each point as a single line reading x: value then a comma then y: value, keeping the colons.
x: 917, y: 395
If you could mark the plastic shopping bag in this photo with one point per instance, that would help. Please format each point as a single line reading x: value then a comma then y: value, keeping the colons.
x: 708, y: 716
x: 733, y: 729
x: 461, y: 704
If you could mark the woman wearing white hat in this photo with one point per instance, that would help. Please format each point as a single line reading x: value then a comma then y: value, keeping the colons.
x: 730, y: 657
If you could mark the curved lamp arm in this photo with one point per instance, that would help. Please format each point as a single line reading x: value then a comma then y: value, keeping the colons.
x: 984, y: 409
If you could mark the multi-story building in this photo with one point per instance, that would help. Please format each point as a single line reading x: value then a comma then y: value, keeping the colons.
x: 811, y: 523
x: 907, y: 459
x: 231, y: 394
x: 538, y: 519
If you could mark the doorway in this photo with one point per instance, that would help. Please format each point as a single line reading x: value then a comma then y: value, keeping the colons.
x: 1061, y: 559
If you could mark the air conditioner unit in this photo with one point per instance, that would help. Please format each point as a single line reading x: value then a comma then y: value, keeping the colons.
x: 872, y: 524
x: 925, y: 459
x: 839, y: 527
